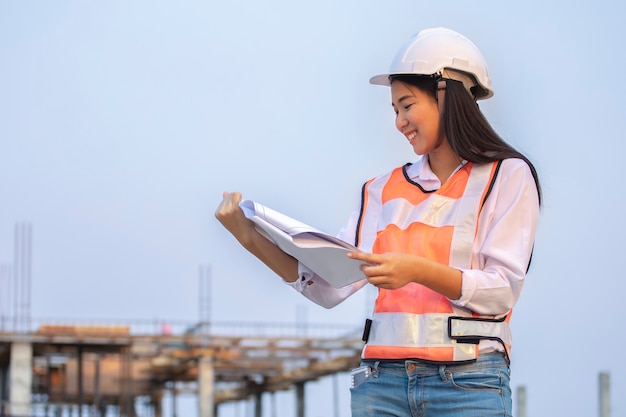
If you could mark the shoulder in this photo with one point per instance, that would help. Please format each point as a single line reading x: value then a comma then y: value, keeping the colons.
x: 515, y: 163
x: 514, y: 180
x: 516, y: 168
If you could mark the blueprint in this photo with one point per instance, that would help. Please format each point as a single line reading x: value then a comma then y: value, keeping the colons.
x: 324, y: 254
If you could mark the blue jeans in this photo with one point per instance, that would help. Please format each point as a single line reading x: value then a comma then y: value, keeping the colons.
x: 416, y: 389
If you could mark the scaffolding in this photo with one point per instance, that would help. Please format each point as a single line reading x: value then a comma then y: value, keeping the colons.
x: 107, y: 369
x: 68, y: 368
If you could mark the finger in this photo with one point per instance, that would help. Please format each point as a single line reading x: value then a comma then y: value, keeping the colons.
x: 378, y: 281
x: 372, y: 272
x: 235, y: 197
x: 363, y: 256
x: 227, y: 204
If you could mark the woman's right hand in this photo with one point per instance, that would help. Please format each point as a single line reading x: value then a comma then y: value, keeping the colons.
x: 232, y: 218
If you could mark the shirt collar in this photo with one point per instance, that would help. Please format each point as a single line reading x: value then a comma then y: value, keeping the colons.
x: 421, y: 173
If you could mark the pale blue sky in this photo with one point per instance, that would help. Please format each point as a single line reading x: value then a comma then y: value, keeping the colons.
x: 121, y: 123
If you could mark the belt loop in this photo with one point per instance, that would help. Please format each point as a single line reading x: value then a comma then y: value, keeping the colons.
x: 442, y: 373
x: 374, y: 369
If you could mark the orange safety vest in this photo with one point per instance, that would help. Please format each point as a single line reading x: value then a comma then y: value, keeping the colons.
x: 397, y: 215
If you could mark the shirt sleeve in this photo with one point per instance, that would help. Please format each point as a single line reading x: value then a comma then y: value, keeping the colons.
x: 504, y: 242
x: 315, y: 288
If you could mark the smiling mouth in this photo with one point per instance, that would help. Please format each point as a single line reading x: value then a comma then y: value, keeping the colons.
x: 411, y: 136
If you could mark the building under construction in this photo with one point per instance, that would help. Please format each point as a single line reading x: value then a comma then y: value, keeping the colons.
x: 61, y: 369
x: 114, y: 370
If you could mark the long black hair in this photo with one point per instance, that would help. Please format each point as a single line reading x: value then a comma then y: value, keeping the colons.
x: 468, y: 132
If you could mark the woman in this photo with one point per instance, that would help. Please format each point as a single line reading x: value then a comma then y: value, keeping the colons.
x: 447, y: 240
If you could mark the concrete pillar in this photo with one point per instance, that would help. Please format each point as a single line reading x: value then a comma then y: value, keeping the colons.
x: 174, y: 400
x: 521, y: 401
x: 206, y: 387
x: 79, y: 382
x: 3, y: 391
x: 21, y: 379
x: 258, y: 404
x: 604, y: 394
x: 97, y: 398
x: 157, y: 404
x: 300, y: 399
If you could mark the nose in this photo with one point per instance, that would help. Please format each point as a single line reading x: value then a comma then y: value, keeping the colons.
x: 401, y: 122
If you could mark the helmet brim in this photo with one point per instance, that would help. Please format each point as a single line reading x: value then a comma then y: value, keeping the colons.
x: 381, y: 79
x: 481, y: 93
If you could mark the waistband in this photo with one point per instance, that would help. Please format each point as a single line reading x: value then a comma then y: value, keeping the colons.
x: 484, y: 359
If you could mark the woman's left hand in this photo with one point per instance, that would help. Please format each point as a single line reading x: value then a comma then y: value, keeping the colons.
x: 394, y: 270
x: 389, y: 270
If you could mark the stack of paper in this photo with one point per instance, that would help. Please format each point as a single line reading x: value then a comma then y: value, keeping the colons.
x: 322, y: 253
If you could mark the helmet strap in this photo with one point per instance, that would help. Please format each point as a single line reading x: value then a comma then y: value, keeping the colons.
x: 441, y: 94
x: 468, y: 81
x: 441, y: 97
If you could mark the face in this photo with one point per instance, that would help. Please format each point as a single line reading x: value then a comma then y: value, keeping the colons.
x: 417, y: 117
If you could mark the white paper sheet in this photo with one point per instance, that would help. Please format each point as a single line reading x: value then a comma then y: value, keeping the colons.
x: 322, y: 253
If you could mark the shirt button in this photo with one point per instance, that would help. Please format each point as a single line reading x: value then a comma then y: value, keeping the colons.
x: 410, y: 367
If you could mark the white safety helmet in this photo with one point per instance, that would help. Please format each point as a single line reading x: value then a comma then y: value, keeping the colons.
x: 445, y: 53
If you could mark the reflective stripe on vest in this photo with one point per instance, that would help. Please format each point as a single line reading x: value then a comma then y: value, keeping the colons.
x: 398, y: 216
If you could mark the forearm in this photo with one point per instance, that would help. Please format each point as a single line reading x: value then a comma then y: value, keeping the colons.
x: 279, y: 262
x: 440, y: 278
x: 232, y: 218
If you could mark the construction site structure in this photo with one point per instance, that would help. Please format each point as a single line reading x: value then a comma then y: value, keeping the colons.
x: 65, y: 368
x: 105, y: 370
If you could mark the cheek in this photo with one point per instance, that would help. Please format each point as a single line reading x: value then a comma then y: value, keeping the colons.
x: 430, y: 125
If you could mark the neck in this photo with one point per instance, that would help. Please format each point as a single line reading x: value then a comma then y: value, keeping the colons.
x: 443, y: 161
